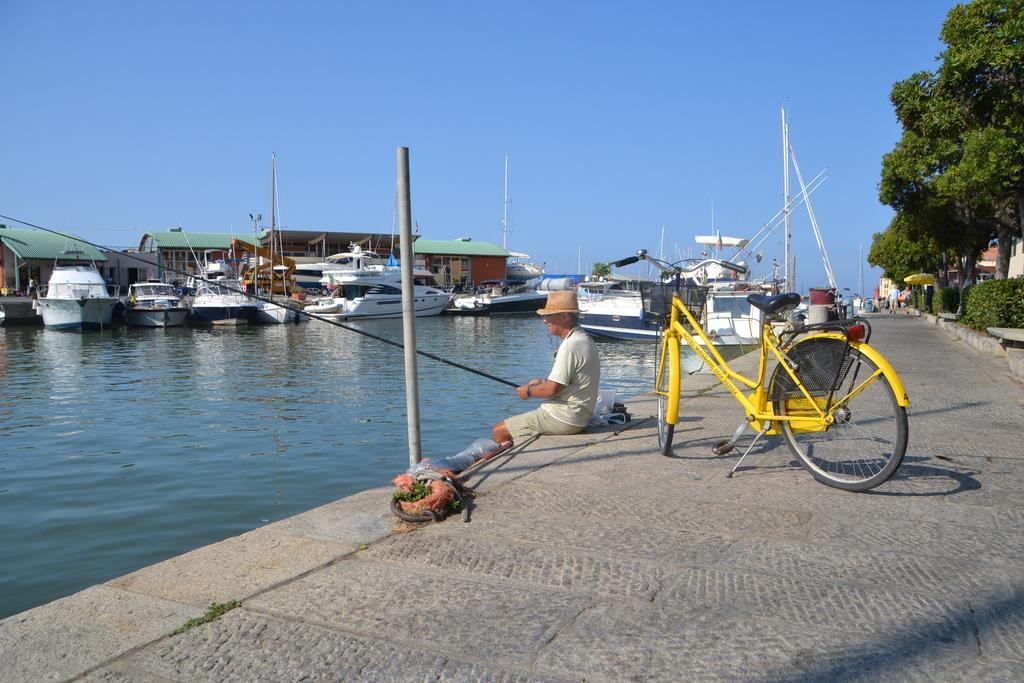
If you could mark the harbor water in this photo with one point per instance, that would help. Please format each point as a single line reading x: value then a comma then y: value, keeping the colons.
x: 124, y: 447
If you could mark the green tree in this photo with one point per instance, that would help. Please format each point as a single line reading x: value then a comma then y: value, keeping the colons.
x: 899, y: 254
x: 982, y: 70
x: 956, y: 177
x: 601, y: 270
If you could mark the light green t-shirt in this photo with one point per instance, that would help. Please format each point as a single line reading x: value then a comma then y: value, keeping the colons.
x: 578, y: 368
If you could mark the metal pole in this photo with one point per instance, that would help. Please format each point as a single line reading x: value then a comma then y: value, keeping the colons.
x: 412, y: 388
x: 790, y: 277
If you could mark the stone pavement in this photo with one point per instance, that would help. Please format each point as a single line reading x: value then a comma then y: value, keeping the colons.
x: 593, y: 558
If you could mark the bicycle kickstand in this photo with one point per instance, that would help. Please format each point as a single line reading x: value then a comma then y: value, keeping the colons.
x: 723, y: 447
x: 764, y: 430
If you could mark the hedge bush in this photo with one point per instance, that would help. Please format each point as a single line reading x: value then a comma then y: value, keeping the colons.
x: 949, y: 299
x: 995, y: 303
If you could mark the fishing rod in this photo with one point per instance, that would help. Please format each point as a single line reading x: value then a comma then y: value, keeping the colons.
x: 257, y: 297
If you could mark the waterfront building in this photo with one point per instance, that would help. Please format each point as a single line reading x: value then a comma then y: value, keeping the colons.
x: 461, y: 262
x: 453, y: 262
x: 28, y: 255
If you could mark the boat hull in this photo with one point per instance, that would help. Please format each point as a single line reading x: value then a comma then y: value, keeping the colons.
x: 522, y: 272
x: 67, y: 314
x: 156, y: 317
x: 274, y: 314
x: 371, y: 308
x: 221, y: 315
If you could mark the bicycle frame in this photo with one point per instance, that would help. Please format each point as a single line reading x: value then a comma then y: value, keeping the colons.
x: 759, y: 410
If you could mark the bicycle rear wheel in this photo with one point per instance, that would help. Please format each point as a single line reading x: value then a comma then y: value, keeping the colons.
x: 866, y: 443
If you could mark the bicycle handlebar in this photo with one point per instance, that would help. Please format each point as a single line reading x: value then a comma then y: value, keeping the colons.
x: 664, y: 268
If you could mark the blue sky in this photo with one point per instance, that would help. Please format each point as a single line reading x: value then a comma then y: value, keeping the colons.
x: 619, y: 118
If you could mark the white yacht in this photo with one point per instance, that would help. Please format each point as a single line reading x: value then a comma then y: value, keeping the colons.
x: 76, y: 295
x: 375, y: 295
x: 311, y: 275
x: 220, y: 298
x: 154, y: 304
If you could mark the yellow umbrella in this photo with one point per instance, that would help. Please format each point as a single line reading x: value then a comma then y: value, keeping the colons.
x: 920, y: 279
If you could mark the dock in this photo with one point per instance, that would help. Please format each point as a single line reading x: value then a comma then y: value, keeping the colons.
x: 594, y: 558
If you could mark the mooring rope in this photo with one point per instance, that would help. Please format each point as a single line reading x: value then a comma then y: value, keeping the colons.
x: 257, y: 297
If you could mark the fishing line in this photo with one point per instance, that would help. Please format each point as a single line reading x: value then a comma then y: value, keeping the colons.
x: 257, y: 297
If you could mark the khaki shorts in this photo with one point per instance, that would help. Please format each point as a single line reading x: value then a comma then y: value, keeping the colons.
x: 536, y: 422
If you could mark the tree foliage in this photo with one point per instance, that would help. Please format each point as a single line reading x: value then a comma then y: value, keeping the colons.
x: 899, y: 254
x: 601, y: 270
x: 956, y: 176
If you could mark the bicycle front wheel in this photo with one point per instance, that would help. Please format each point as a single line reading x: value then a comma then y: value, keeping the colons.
x: 867, y: 439
x: 665, y: 430
x: 662, y: 382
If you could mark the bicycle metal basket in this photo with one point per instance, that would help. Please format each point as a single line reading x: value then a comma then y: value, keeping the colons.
x: 657, y: 300
x: 822, y: 365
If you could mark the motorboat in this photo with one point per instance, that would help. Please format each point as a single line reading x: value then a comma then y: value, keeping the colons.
x: 154, y: 304
x: 367, y: 266
x: 220, y: 298
x: 270, y: 313
x: 76, y: 295
x: 610, y: 309
x: 497, y: 298
x: 617, y: 312
x: 520, y: 268
x: 729, y: 318
x: 356, y: 260
x: 358, y: 299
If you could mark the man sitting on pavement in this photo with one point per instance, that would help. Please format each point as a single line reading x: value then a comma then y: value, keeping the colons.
x: 572, y: 385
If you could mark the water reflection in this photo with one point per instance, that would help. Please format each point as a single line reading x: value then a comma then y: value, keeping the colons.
x: 121, y: 447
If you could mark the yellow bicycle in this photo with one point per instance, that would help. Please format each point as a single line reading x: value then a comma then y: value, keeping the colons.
x: 838, y: 404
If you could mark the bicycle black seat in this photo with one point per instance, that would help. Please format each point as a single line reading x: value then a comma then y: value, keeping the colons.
x: 774, y: 304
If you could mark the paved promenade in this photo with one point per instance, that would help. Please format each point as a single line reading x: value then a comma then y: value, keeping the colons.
x: 593, y: 558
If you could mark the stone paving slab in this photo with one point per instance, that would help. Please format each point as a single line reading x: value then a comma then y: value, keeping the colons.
x: 249, y: 646
x: 652, y: 643
x: 232, y: 569
x: 595, y: 558
x: 58, y: 640
x: 462, y: 616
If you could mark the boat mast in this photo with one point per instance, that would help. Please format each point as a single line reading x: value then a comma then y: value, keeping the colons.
x: 785, y: 195
x: 504, y: 221
x: 860, y: 279
x: 273, y: 215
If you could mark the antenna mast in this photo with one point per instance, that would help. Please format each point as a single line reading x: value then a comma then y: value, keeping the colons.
x: 504, y: 221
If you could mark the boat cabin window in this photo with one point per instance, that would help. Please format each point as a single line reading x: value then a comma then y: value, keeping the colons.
x: 77, y: 290
x: 153, y: 290
x: 733, y: 306
x: 226, y: 289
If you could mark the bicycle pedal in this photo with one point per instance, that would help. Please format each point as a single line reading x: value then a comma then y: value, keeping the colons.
x: 722, y: 448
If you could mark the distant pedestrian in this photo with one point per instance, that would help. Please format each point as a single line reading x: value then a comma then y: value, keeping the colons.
x: 906, y: 298
x: 894, y: 300
x: 31, y: 286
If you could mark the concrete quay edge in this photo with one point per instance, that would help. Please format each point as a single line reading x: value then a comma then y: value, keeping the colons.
x: 591, y: 558
x: 80, y: 632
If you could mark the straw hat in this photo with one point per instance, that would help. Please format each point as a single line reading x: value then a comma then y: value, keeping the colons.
x: 560, y: 302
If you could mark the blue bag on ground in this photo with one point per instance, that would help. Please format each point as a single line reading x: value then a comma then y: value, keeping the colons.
x: 459, y: 461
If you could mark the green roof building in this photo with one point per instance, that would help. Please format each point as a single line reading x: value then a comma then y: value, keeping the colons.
x: 28, y: 254
x: 461, y: 262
